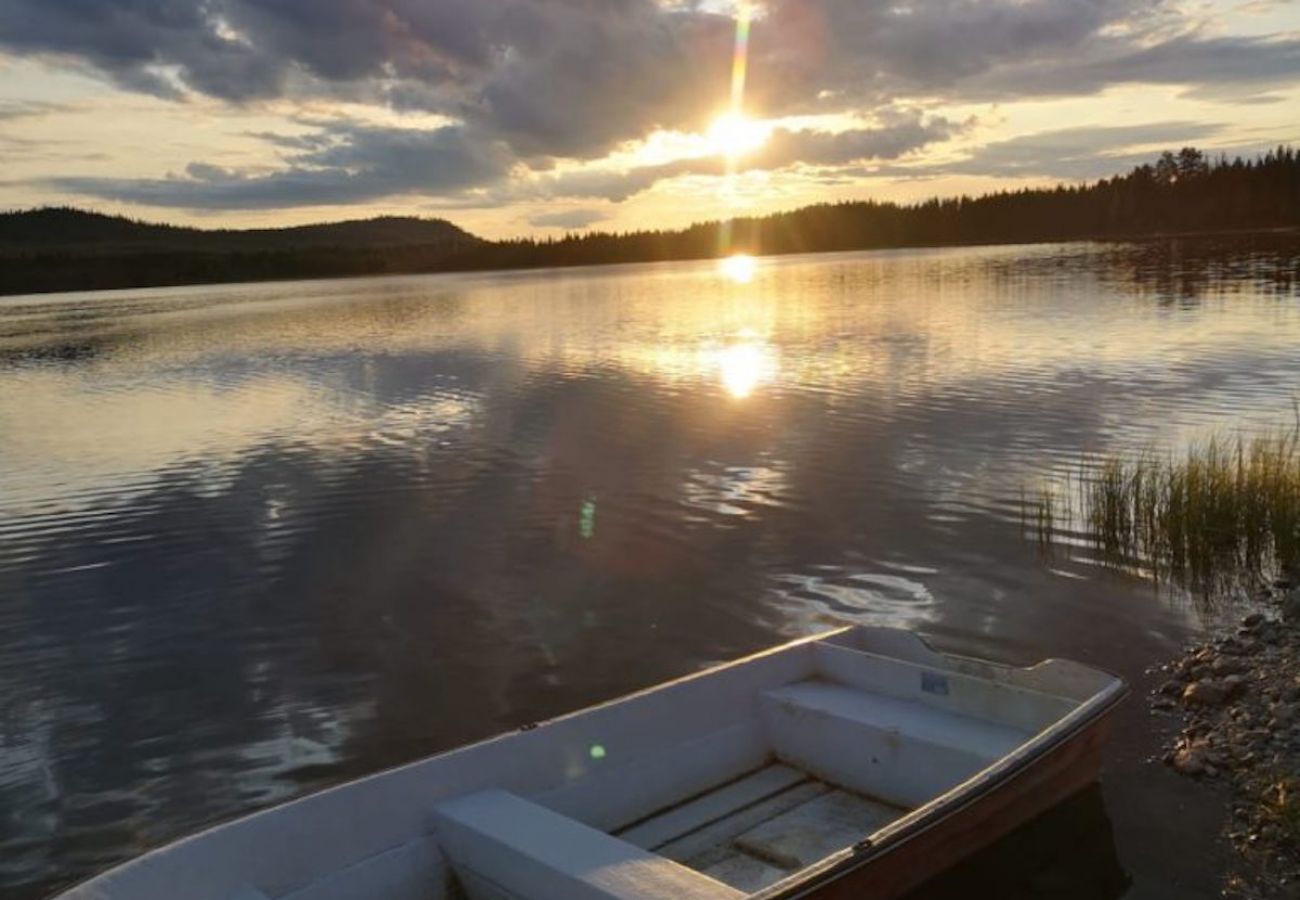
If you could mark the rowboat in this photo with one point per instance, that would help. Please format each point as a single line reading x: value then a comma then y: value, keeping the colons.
x: 858, y: 762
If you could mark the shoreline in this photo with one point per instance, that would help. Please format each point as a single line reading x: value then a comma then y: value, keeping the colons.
x: 1236, y: 702
x: 65, y: 260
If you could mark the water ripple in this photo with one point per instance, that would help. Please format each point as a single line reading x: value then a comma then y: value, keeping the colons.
x: 258, y: 538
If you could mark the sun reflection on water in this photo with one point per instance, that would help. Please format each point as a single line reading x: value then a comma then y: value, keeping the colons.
x: 739, y: 267
x: 744, y: 365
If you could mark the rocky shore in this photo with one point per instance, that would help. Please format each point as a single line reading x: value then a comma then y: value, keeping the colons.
x: 1238, y: 699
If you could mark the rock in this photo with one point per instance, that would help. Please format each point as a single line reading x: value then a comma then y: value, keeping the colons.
x: 1173, y: 687
x: 1291, y: 606
x: 1227, y: 666
x: 1211, y: 692
x: 1188, y: 761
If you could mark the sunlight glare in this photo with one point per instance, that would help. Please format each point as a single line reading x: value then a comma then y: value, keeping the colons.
x: 743, y: 367
x: 733, y: 135
x: 739, y: 267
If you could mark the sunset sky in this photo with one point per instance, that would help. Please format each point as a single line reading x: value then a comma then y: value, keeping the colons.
x: 539, y: 116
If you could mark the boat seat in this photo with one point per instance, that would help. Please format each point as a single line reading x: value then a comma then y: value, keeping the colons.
x: 502, y: 846
x: 902, y: 752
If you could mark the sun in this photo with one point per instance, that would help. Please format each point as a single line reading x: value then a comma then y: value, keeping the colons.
x: 732, y: 135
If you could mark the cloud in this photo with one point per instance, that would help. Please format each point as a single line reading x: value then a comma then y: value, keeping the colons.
x: 552, y: 77
x: 10, y: 110
x: 347, y: 164
x: 572, y: 78
x: 1214, y: 68
x: 1083, y: 152
x: 568, y: 219
x: 897, y: 133
x: 832, y: 53
x: 529, y: 85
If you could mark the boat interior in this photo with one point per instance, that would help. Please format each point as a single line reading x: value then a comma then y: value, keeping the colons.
x: 726, y: 784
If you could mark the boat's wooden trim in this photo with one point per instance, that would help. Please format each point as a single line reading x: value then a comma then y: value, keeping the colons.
x: 1058, y: 763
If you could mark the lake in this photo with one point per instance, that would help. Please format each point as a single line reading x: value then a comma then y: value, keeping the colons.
x: 258, y: 539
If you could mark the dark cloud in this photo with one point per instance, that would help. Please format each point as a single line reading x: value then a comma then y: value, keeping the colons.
x: 573, y: 77
x: 899, y: 132
x: 347, y: 165
x: 554, y: 77
x: 1217, y: 68
x: 530, y: 82
x: 847, y: 50
x: 1082, y: 153
x: 344, y: 163
x: 569, y: 218
x: 136, y: 42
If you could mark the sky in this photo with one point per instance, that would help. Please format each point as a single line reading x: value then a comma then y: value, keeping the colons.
x: 538, y: 117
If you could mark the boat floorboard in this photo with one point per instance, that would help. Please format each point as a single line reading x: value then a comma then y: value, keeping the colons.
x: 754, y: 831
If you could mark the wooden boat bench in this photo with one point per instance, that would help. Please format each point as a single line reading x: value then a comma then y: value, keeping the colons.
x: 501, y: 845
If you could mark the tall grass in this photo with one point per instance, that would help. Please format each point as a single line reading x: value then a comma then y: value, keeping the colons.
x: 1226, y: 510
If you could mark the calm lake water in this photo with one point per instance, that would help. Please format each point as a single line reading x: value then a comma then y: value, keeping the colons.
x: 257, y: 539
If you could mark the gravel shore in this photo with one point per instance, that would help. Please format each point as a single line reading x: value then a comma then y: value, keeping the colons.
x: 1238, y: 699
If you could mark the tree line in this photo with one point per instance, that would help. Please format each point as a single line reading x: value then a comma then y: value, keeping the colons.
x: 1181, y: 192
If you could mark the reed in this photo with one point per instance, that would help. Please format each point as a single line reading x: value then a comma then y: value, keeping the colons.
x: 1227, y: 509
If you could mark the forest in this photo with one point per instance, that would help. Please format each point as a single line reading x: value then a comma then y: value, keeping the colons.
x: 1180, y: 192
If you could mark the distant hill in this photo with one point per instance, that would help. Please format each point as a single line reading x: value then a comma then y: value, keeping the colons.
x: 55, y: 249
x: 1184, y: 192
x: 62, y: 227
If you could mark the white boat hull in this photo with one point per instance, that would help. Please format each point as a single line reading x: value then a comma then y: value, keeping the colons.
x: 860, y: 756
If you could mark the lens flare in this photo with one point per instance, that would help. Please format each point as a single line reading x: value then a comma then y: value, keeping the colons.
x: 740, y: 56
x: 731, y: 133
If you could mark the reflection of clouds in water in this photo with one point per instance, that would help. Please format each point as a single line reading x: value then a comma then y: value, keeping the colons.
x: 735, y: 490
x: 29, y: 789
x: 44, y: 798
x: 813, y: 600
x: 378, y: 492
x: 72, y: 442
